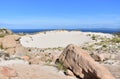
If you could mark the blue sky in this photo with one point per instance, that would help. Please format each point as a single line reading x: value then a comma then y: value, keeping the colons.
x: 46, y: 14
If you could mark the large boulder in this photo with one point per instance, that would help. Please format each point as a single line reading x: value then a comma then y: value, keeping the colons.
x: 82, y: 64
x: 10, y: 41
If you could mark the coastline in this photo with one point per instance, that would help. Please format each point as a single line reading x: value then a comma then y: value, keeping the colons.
x: 101, y: 30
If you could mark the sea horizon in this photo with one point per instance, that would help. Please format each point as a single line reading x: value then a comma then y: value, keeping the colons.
x: 102, y: 30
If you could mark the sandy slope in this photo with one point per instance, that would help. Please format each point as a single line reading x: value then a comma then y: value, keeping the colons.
x: 51, y: 39
x: 54, y: 39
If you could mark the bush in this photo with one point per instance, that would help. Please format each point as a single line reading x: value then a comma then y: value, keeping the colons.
x: 104, y: 46
x: 2, y: 35
x: 118, y: 34
x: 60, y: 66
x: 1, y: 47
x: 116, y: 39
x: 93, y: 37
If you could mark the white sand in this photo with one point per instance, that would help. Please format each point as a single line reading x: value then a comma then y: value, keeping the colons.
x: 53, y: 39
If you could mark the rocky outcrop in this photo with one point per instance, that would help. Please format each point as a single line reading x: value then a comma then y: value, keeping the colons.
x: 5, y: 31
x: 82, y: 64
x: 11, y: 44
x: 9, y: 41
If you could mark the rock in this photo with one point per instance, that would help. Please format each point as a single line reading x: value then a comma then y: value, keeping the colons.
x: 36, y: 60
x: 9, y: 31
x: 101, y: 57
x: 5, y: 31
x: 104, y: 56
x: 113, y: 56
x: 9, y: 72
x: 20, y: 50
x: 95, y: 57
x: 69, y: 72
x: 16, y: 37
x: 10, y: 51
x: 82, y: 64
x: 4, y: 55
x: 26, y: 58
x: 9, y: 42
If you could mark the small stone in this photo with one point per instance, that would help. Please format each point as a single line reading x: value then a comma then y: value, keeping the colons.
x: 35, y: 60
x: 69, y: 72
x: 26, y: 58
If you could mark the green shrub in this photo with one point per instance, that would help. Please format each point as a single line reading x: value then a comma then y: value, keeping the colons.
x: 93, y: 37
x: 1, y: 47
x: 2, y: 35
x: 48, y: 62
x: 118, y: 34
x: 60, y: 66
x: 116, y: 40
x: 104, y: 46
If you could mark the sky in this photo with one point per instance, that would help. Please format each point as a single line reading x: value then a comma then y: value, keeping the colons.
x: 59, y: 14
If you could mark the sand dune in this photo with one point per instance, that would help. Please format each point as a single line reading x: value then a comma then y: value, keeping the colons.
x: 53, y: 39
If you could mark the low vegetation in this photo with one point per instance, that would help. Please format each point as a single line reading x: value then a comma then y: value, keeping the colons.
x: 4, y: 32
x: 1, y: 47
x: 60, y: 66
x: 103, y: 44
x: 2, y: 35
x: 115, y: 40
x: 57, y: 64
x: 117, y: 34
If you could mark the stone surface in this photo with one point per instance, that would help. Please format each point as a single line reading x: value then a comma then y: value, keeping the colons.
x: 26, y: 58
x: 9, y: 72
x: 36, y: 60
x: 20, y: 50
x: 9, y: 42
x: 10, y: 51
x: 69, y: 72
x: 5, y: 31
x: 115, y: 70
x: 82, y: 64
x: 38, y: 72
x: 4, y: 55
x: 103, y: 56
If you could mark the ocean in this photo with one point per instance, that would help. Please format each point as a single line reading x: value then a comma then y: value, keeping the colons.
x: 102, y: 30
